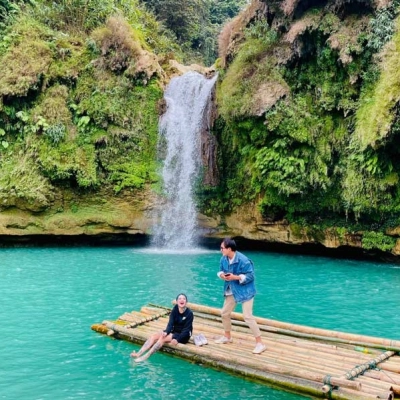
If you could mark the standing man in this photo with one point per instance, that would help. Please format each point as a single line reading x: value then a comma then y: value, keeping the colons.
x: 238, y: 273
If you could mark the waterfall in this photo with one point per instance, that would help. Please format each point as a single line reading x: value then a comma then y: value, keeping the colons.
x: 188, y: 113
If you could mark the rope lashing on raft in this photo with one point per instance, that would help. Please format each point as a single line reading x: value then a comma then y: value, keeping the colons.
x: 372, y: 364
x: 360, y: 369
x: 327, y: 380
x: 327, y: 387
x: 354, y: 372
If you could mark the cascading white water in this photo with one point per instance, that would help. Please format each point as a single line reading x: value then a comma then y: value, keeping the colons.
x: 188, y: 112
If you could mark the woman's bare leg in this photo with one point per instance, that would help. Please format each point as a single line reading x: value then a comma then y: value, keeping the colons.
x: 157, y: 346
x: 147, y: 345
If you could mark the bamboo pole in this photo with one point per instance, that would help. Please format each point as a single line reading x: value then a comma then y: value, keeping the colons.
x: 100, y: 328
x: 395, y: 389
x: 387, y: 366
x: 294, y: 361
x: 288, y: 370
x: 368, y: 382
x: 356, y: 358
x: 346, y: 394
x: 305, y: 339
x: 387, y: 344
x: 133, y: 316
x: 282, y: 353
x: 155, y: 310
x: 291, y: 370
x: 384, y: 376
x: 307, y: 362
x: 146, y: 318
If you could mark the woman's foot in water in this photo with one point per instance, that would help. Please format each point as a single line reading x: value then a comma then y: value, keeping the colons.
x: 140, y: 359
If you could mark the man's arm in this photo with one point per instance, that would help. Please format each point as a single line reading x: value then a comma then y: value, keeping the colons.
x: 246, y: 274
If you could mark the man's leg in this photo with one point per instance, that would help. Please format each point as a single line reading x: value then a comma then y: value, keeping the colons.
x: 247, y: 308
x: 228, y: 307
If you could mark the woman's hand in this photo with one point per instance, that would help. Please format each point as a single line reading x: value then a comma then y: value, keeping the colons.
x: 174, y: 342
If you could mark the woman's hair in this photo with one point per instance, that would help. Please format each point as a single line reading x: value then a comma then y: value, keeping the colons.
x: 181, y: 294
x: 229, y: 243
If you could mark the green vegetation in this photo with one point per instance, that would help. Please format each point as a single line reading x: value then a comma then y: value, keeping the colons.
x: 308, y: 110
x: 377, y: 240
x: 195, y: 24
x: 83, y: 111
x: 375, y: 116
x: 237, y: 94
x: 321, y: 150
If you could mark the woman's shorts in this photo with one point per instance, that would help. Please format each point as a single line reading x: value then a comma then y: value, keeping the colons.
x: 182, y: 340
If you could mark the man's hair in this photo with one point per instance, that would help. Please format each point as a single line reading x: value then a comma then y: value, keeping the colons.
x: 229, y: 243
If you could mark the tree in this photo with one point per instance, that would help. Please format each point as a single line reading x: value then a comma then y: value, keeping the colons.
x: 8, y: 8
x: 196, y: 23
x: 220, y: 11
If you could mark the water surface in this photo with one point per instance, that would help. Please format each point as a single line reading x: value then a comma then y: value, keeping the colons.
x: 51, y: 296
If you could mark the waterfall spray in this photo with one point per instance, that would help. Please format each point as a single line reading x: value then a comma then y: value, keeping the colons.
x: 188, y: 112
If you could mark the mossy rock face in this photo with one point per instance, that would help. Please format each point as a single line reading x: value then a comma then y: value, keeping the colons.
x: 21, y: 183
x: 20, y: 75
x: 74, y: 213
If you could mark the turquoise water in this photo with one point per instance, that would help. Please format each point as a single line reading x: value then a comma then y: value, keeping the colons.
x: 51, y: 296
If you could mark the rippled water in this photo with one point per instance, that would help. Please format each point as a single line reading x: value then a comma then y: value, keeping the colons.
x: 51, y: 296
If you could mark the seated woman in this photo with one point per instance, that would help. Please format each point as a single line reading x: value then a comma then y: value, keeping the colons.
x: 178, y: 330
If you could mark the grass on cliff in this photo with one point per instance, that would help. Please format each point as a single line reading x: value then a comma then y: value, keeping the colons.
x: 253, y: 65
x: 21, y: 183
x: 375, y: 114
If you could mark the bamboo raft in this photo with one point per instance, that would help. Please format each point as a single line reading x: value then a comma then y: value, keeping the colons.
x: 307, y: 360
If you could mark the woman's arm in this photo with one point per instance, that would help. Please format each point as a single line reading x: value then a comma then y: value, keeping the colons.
x: 171, y: 320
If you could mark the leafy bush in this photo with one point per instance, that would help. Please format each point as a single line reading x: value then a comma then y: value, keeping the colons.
x: 377, y: 240
x: 196, y: 23
x: 55, y: 133
x: 131, y: 175
x: 68, y: 162
x: 70, y: 15
x: 295, y: 159
x: 382, y: 26
x: 9, y: 9
x: 79, y: 17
